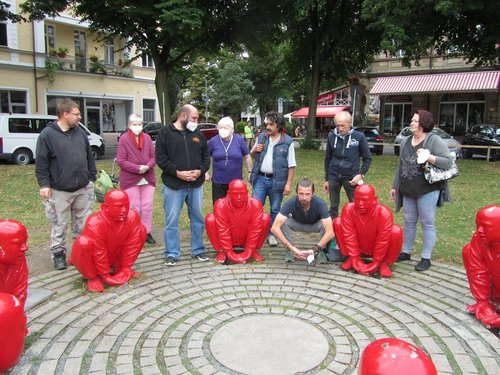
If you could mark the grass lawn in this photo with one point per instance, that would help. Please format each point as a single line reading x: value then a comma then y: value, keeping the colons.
x: 478, y: 186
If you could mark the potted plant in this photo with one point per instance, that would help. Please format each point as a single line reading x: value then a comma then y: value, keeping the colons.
x: 52, y: 52
x: 50, y: 68
x: 94, y: 58
x: 62, y: 52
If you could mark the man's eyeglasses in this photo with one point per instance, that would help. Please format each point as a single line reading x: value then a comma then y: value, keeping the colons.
x: 78, y: 114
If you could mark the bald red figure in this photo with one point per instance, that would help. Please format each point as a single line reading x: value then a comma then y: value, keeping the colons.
x: 366, y: 228
x: 390, y: 356
x: 12, y: 330
x: 110, y: 243
x: 482, y: 263
x: 13, y: 267
x: 237, y: 221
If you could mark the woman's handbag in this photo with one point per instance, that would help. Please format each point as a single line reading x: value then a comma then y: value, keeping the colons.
x: 434, y: 174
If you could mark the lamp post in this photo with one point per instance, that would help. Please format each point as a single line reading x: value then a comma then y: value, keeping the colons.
x: 206, y: 99
x: 302, y: 100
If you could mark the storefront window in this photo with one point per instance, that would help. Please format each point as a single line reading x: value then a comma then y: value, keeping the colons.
x: 460, y: 111
x: 13, y: 101
x: 396, y: 115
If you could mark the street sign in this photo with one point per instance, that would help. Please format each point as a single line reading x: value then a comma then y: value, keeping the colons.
x: 280, y: 105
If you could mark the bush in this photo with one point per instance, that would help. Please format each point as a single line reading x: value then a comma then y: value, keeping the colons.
x: 290, y: 129
x: 240, y: 127
x: 310, y: 143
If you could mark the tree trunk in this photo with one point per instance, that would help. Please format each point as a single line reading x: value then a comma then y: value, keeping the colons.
x: 313, y: 95
x: 161, y: 84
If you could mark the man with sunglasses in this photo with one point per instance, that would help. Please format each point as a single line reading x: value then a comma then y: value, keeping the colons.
x: 65, y: 170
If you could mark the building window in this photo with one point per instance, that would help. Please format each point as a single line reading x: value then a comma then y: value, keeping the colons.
x: 50, y: 38
x: 109, y: 51
x: 397, y: 115
x: 458, y: 112
x: 13, y: 101
x: 3, y: 34
x: 148, y: 109
x: 147, y: 61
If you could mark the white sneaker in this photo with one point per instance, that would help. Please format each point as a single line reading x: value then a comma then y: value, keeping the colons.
x: 271, y: 240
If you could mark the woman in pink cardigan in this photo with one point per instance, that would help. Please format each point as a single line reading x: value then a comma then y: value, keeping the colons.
x: 136, y: 158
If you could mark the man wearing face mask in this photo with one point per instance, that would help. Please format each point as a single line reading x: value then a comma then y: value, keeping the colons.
x: 136, y: 157
x: 228, y: 151
x: 182, y: 155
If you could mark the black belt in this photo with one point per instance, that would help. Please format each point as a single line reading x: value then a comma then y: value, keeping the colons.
x: 268, y: 175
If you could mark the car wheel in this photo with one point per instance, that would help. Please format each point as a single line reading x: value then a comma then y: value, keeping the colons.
x: 95, y: 153
x: 22, y: 157
x: 396, y: 150
x: 466, y: 153
x: 495, y: 155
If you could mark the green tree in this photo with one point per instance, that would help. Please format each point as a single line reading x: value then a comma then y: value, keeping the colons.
x: 232, y: 89
x: 328, y: 42
x: 172, y: 32
x: 470, y: 29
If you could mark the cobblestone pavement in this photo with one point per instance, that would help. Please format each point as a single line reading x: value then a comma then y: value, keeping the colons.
x: 163, y: 322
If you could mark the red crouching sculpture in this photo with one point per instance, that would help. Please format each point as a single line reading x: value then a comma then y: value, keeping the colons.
x: 366, y: 229
x: 109, y: 244
x: 482, y: 263
x: 237, y: 221
x: 390, y: 356
x: 12, y: 330
x: 13, y: 267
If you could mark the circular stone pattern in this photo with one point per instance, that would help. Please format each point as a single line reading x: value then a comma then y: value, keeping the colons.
x: 265, y: 344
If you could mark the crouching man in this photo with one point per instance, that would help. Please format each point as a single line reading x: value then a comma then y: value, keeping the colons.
x: 304, y: 213
x: 109, y: 244
x: 237, y: 221
x: 366, y: 228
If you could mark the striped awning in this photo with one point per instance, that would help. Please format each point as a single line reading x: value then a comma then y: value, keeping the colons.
x: 449, y: 82
x: 321, y: 111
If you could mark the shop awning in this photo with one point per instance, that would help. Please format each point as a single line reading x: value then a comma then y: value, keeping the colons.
x: 449, y: 82
x: 321, y: 111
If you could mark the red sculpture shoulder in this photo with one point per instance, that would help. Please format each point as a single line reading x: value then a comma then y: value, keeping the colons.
x: 482, y: 264
x: 13, y: 266
x: 237, y: 221
x: 366, y: 229
x: 109, y: 244
x: 12, y: 330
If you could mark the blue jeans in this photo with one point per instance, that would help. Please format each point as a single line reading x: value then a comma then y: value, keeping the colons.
x: 173, y: 200
x: 425, y: 207
x: 262, y: 188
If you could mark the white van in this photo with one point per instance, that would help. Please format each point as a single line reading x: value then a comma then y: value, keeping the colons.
x: 19, y: 133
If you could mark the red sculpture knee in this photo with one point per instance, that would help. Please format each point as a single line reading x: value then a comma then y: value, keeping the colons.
x: 366, y: 228
x: 237, y: 221
x: 482, y: 264
x: 12, y: 330
x: 109, y: 244
x: 390, y: 356
x: 13, y: 267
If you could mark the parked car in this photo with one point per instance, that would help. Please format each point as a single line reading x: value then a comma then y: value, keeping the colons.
x: 482, y: 135
x: 209, y: 130
x: 453, y: 144
x: 152, y: 128
x: 373, y: 136
x: 19, y: 134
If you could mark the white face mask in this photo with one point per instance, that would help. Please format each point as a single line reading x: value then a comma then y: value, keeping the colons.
x: 191, y: 126
x: 136, y: 129
x: 224, y: 133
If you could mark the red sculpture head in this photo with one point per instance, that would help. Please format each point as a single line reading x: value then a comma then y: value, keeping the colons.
x: 365, y: 199
x: 13, y: 237
x: 238, y: 193
x: 116, y: 205
x: 390, y: 356
x: 12, y: 330
x: 487, y: 224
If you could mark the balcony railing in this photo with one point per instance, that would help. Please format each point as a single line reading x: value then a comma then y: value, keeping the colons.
x: 90, y: 65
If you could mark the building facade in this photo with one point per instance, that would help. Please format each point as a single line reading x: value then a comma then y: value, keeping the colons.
x: 45, y: 61
x: 458, y: 94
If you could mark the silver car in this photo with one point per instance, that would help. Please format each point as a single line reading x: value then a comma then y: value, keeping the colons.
x: 453, y: 144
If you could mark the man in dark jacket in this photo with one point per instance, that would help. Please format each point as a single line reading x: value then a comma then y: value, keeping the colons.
x: 344, y: 149
x: 182, y: 155
x: 65, y: 170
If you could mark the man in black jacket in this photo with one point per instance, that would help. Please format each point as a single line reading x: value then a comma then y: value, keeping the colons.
x: 65, y: 170
x: 182, y: 155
